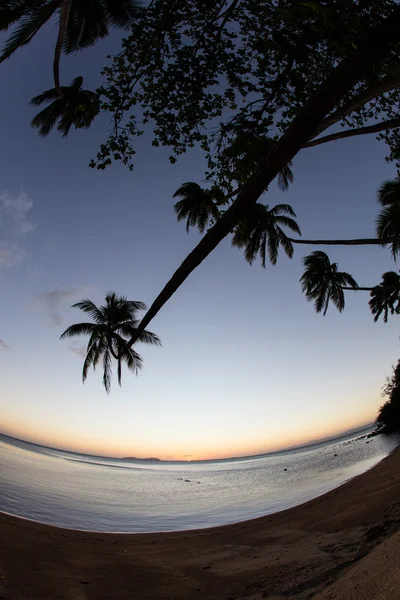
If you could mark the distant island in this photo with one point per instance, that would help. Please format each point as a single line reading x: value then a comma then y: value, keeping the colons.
x: 142, y: 459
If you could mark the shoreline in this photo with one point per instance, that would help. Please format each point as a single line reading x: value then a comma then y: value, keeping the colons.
x: 310, y: 548
x: 194, y: 529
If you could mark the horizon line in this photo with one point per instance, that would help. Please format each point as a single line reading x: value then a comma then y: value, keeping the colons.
x: 310, y: 443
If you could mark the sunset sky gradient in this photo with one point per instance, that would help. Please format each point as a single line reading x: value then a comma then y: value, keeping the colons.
x: 246, y: 365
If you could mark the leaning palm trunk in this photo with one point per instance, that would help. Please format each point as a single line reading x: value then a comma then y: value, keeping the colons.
x: 355, y: 242
x: 304, y: 127
x: 62, y: 30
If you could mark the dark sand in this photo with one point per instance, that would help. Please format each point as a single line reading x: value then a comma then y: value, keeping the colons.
x: 344, y: 545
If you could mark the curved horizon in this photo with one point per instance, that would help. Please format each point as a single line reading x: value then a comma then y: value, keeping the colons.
x: 306, y: 444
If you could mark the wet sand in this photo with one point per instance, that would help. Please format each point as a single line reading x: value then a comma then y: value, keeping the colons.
x: 344, y: 545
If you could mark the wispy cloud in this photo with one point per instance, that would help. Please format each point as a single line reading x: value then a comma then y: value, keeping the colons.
x: 4, y: 346
x: 54, y: 299
x: 10, y: 254
x: 14, y: 225
x: 59, y: 298
x: 77, y: 349
x: 15, y: 209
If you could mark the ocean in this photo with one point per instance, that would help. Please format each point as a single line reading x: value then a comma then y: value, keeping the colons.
x: 95, y: 493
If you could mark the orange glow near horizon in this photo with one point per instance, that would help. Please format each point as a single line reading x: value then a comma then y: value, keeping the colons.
x: 198, y: 451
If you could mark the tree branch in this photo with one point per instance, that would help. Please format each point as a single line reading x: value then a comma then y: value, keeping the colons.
x: 389, y: 124
x: 385, y: 85
x: 355, y: 242
x: 358, y: 289
x: 354, y: 68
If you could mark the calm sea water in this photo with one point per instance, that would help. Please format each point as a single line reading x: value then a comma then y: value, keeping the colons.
x: 103, y: 494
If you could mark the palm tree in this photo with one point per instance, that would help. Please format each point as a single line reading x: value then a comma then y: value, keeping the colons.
x: 113, y: 324
x: 388, y: 221
x: 244, y: 154
x: 322, y: 102
x: 322, y: 282
x: 260, y: 232
x: 81, y: 23
x: 77, y: 108
x: 197, y: 205
x: 385, y: 297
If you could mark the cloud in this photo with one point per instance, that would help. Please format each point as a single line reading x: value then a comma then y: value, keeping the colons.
x: 14, y: 225
x: 3, y: 346
x: 58, y: 298
x: 77, y: 349
x: 10, y: 254
x: 16, y: 209
x: 54, y: 299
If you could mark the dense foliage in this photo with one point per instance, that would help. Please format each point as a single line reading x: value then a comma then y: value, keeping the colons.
x: 230, y: 74
x: 389, y: 413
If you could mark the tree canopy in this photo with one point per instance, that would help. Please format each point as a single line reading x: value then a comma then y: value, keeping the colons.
x: 252, y: 83
x: 230, y: 73
x: 235, y: 79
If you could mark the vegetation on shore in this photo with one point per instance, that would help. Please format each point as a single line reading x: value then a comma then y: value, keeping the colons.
x: 388, y: 418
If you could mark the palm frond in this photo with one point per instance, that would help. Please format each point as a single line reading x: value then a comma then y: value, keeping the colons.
x: 87, y: 23
x: 285, y: 177
x: 148, y: 337
x: 107, y: 370
x: 389, y: 192
x: 119, y: 371
x: 91, y: 309
x: 78, y: 329
x: 348, y: 280
x: 388, y: 225
x: 272, y: 241
x: 89, y: 361
x: 123, y: 13
x: 12, y: 11
x: 45, y: 97
x: 288, y: 222
x: 133, y: 361
x: 282, y: 208
x: 285, y: 243
x: 28, y: 26
x: 47, y: 118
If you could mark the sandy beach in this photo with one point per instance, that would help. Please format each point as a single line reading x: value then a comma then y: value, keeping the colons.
x: 343, y: 545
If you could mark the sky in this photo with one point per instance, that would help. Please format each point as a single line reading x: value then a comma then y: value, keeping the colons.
x: 246, y: 366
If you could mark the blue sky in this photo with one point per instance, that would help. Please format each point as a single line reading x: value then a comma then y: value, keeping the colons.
x: 246, y: 364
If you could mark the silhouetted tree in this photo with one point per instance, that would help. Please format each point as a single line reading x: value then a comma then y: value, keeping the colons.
x: 76, y: 108
x: 388, y: 221
x: 388, y: 418
x: 81, y: 23
x: 261, y: 233
x: 385, y: 297
x: 240, y: 160
x: 112, y: 325
x: 197, y: 205
x: 322, y: 282
x: 273, y: 100
x: 392, y: 382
